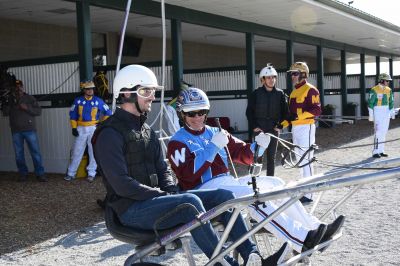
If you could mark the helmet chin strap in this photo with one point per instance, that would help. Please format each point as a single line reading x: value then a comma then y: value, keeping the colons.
x: 302, y: 76
x: 133, y: 99
x: 138, y: 107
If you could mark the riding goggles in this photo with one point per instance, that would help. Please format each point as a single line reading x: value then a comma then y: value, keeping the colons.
x: 145, y: 92
x: 295, y: 73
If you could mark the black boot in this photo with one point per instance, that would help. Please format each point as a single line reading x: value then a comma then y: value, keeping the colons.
x: 305, y: 201
x: 274, y: 258
x: 314, y: 237
x: 42, y: 178
x: 101, y: 203
x: 332, y: 229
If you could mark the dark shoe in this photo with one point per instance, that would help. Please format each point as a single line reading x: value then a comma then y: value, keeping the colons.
x: 305, y: 200
x: 314, y: 237
x: 383, y: 154
x: 332, y: 229
x: 22, y: 178
x: 274, y: 258
x: 101, y: 203
x: 376, y: 155
x: 42, y: 178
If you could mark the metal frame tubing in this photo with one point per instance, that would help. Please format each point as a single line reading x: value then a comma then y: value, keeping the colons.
x: 294, y: 193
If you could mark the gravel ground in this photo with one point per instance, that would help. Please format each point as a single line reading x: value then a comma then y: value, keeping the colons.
x: 59, y: 223
x: 32, y: 212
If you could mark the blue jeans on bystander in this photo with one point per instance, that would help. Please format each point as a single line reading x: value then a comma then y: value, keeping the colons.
x: 33, y: 144
x: 143, y: 214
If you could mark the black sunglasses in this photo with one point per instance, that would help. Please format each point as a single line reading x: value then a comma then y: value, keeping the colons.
x: 194, y: 113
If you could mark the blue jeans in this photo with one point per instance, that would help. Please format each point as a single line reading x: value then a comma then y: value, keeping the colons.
x: 143, y: 214
x: 32, y: 140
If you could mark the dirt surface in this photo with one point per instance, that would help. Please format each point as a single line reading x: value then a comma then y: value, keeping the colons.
x: 32, y: 212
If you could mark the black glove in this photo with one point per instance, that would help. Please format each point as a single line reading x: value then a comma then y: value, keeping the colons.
x: 278, y: 125
x: 292, y: 117
x: 172, y: 189
x: 75, y: 132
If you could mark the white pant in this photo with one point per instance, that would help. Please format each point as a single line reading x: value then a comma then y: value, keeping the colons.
x: 304, y: 137
x: 291, y: 225
x: 381, y: 124
x: 84, y: 138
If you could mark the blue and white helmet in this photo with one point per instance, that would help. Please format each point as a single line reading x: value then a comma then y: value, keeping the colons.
x: 192, y: 99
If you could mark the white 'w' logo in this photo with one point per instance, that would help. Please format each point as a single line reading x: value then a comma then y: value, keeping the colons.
x: 179, y: 157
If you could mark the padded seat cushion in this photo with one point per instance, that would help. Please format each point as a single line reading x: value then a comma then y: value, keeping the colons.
x: 137, y: 237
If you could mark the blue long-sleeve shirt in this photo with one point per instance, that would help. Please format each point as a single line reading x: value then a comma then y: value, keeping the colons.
x: 86, y: 111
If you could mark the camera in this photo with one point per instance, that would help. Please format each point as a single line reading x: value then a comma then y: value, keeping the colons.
x: 7, y: 86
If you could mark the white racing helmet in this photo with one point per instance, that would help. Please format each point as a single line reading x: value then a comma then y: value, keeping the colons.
x: 134, y: 75
x: 268, y: 71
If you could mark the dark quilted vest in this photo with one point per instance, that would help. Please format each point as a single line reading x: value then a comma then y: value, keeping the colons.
x: 139, y: 149
x: 268, y: 108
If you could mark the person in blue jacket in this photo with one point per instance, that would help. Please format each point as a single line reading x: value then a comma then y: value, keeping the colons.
x: 86, y: 111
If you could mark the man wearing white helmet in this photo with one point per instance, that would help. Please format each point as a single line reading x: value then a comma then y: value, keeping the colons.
x: 140, y: 187
x: 267, y: 108
x: 380, y: 108
x: 198, y: 156
x: 304, y: 106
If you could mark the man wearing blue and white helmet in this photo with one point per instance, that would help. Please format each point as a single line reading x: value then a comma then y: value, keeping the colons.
x: 190, y: 100
x: 198, y: 156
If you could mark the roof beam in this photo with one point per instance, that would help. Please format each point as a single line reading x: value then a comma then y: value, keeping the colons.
x: 152, y: 8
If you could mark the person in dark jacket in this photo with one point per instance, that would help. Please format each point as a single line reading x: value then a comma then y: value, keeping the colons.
x: 22, y: 109
x: 267, y: 108
x: 140, y: 187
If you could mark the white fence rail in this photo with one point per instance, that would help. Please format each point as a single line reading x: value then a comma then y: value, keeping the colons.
x: 43, y: 79
x: 64, y: 77
x: 53, y: 125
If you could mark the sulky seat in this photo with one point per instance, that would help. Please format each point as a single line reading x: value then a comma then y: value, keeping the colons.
x: 124, y: 233
x: 140, y: 238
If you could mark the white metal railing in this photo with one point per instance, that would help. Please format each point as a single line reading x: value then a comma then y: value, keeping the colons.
x: 64, y: 77
x: 43, y: 79
x: 218, y: 80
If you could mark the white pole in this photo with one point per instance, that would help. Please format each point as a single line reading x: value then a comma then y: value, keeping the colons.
x: 121, y: 45
x: 164, y: 37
